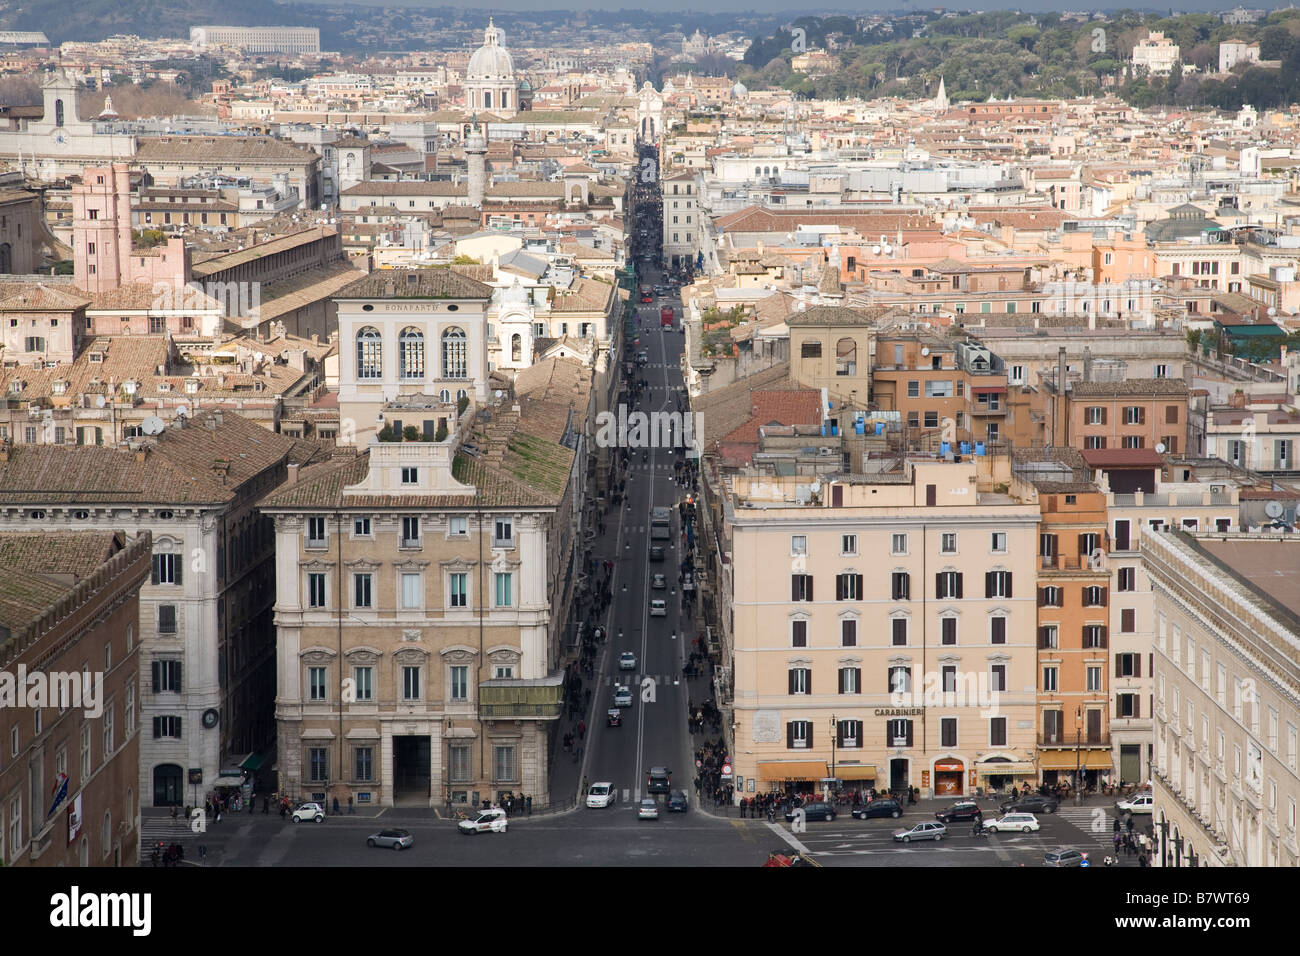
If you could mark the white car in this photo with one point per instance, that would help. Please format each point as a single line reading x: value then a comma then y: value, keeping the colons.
x: 647, y: 809
x: 627, y: 661
x: 600, y: 795
x: 1024, y: 822
x: 1138, y: 803
x: 658, y: 608
x: 493, y: 821
x: 622, y: 696
x: 309, y: 811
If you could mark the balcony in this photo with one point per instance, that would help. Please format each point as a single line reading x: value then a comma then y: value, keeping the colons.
x: 1064, y: 740
x: 540, y: 699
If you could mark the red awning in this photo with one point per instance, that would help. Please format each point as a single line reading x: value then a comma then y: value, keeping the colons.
x: 988, y: 389
x: 948, y: 767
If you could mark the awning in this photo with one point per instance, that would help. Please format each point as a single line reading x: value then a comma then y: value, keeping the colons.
x: 1008, y: 768
x: 855, y: 772
x: 987, y: 389
x: 792, y: 770
x: 1068, y: 760
x: 253, y: 763
x: 948, y: 767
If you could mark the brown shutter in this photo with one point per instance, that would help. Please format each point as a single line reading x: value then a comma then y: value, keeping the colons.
x: 808, y: 680
x: 857, y: 683
x: 1151, y: 665
x: 988, y: 583
x: 810, y: 734
x: 790, y: 681
x: 958, y: 584
x: 1083, y: 547
x: 909, y: 733
x: 1103, y: 414
x: 858, y: 583
x: 837, y: 496
x: 839, y: 587
x: 794, y: 587
x: 810, y: 586
x: 931, y: 495
x: 1119, y: 670
x: 1104, y: 596
x: 1142, y: 414
x: 1008, y: 594
x: 1137, y: 706
x: 1137, y: 665
x: 789, y: 735
x: 1042, y: 597
x: 939, y: 592
x: 841, y: 679
x: 1105, y: 637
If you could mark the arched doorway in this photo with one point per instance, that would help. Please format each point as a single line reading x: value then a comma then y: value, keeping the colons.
x: 949, y: 777
x: 168, y: 787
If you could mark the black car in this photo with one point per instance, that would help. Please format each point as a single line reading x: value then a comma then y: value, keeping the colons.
x: 965, y: 810
x: 657, y: 553
x: 813, y: 811
x: 1031, y: 804
x: 878, y: 808
x: 677, y: 802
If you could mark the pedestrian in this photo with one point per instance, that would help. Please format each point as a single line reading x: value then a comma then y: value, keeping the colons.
x: 174, y: 817
x: 252, y: 804
x: 266, y: 804
x: 528, y: 803
x: 582, y: 730
x: 1115, y: 829
x: 1130, y: 824
x: 351, y: 809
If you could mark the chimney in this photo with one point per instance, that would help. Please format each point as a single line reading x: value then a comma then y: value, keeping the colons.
x: 5, y: 446
x: 292, y: 478
x: 141, y: 454
x: 1087, y: 363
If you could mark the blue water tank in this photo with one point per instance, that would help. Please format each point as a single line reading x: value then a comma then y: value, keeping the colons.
x: 835, y: 429
x: 965, y: 448
x: 860, y: 427
x: 823, y: 431
x: 880, y: 428
x: 944, y: 448
x: 979, y: 448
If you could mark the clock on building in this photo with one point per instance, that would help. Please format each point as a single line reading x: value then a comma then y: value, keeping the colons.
x: 210, y: 718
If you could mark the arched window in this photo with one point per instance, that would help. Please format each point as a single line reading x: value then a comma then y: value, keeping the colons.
x: 516, y: 348
x: 58, y: 112
x: 444, y: 396
x: 370, y: 353
x: 461, y: 393
x: 106, y: 835
x: 454, y: 363
x: 410, y: 349
x: 758, y: 170
x: 846, y: 357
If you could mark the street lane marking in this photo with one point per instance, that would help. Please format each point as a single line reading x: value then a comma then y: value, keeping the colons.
x: 788, y: 837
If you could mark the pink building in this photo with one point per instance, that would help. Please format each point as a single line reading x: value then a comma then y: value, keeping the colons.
x: 104, y: 256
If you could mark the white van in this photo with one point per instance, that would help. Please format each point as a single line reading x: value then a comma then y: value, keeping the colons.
x: 658, y: 608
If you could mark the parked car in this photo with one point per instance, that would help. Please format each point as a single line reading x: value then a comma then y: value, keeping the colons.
x: 1138, y: 803
x: 600, y: 795
x: 658, y: 582
x: 964, y: 810
x: 627, y: 661
x: 622, y: 696
x: 1062, y: 856
x: 878, y: 808
x: 396, y: 839
x: 922, y: 831
x: 677, y: 802
x: 1024, y: 822
x: 309, y: 811
x: 657, y: 552
x: 658, y: 608
x: 493, y: 821
x: 647, y: 809
x: 813, y: 811
x: 1031, y: 804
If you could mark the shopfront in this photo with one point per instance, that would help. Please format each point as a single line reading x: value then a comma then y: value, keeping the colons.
x: 1000, y: 773
x: 792, y: 776
x: 1060, y: 766
x: 949, y: 778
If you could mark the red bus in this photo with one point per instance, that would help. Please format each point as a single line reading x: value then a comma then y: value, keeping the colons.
x: 666, y: 317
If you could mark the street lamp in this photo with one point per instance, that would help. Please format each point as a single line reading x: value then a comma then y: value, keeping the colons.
x: 834, y: 730
x: 1078, y: 739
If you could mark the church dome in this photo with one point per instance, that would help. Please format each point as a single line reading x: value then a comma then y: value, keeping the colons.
x: 491, y: 61
x: 739, y: 91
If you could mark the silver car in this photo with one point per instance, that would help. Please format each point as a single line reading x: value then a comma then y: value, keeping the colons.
x: 394, y: 839
x: 927, y: 830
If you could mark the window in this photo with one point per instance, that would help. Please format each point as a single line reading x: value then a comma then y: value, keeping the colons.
x: 410, y: 683
x: 898, y: 732
x: 947, y: 731
x: 936, y: 389
x: 998, y: 677
x: 1128, y: 621
x: 370, y: 354
x: 1094, y: 415
x: 1126, y: 579
x: 166, y: 569
x: 800, y: 680
x: 1135, y: 415
x: 316, y: 683
x: 363, y: 762
x: 931, y: 419
x: 167, y: 677
x: 798, y: 544
x: 849, y: 733
x: 315, y: 532
x: 460, y: 683
x: 128, y: 709
x: 798, y: 633
x: 162, y: 727
x: 108, y: 741
x: 411, y: 590
x: 948, y: 630
x: 848, y: 587
x: 948, y: 584
x: 1049, y: 680
x: 458, y: 525
x: 454, y: 354
x: 997, y: 630
x: 899, y: 632
x: 318, y: 760
x: 900, y: 586
x: 1048, y: 637
x: 459, y: 590
x: 167, y: 619
x: 1133, y: 441
x: 798, y: 734
x: 997, y: 731
x: 504, y: 764
x: 900, y: 679
x: 801, y: 587
x: 363, y: 678
x: 361, y: 527
x: 1050, y: 596
x: 315, y: 590
x: 410, y: 532
x: 410, y: 476
x: 361, y: 590
x: 997, y: 584
x: 1094, y: 635
x: 502, y: 589
x: 1094, y: 596
x: 948, y: 543
x: 1094, y: 442
x: 998, y: 542
x: 848, y: 544
x: 914, y: 389
x: 460, y: 763
x: 898, y: 544
x: 503, y: 535
x: 1126, y: 705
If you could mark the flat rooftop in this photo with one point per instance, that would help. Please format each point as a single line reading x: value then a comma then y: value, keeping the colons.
x: 1270, y: 566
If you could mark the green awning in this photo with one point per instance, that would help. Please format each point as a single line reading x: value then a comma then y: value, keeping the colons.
x: 253, y: 763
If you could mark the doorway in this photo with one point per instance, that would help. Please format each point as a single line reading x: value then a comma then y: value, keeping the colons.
x: 1130, y: 763
x: 898, y: 774
x: 411, y: 771
x: 167, y: 788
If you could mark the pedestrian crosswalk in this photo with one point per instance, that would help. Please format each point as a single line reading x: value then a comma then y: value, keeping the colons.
x: 1095, y: 822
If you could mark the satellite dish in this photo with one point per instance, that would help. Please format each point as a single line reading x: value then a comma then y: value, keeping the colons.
x: 925, y: 351
x: 498, y: 393
x: 1273, y: 509
x: 182, y: 410
x: 153, y: 425
x: 100, y: 401
x: 875, y: 250
x: 802, y: 494
x: 815, y: 487
x: 258, y: 357
x: 1160, y: 448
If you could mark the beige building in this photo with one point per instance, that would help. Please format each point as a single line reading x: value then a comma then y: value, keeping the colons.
x: 887, y: 605
x: 1227, y: 698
